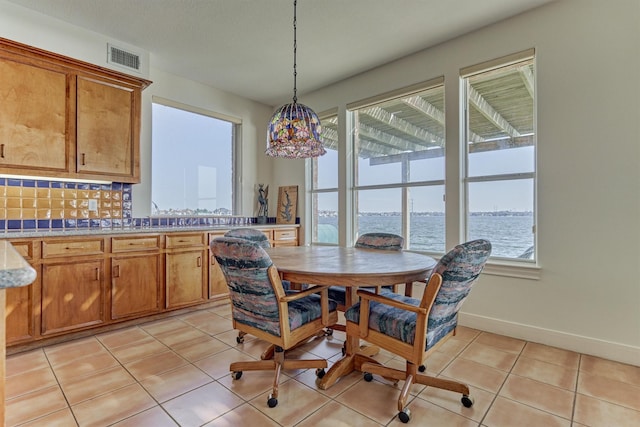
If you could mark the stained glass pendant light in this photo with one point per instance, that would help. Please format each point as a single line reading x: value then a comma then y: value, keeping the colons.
x: 294, y: 129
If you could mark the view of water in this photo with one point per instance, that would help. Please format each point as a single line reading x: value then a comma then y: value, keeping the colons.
x: 510, y: 236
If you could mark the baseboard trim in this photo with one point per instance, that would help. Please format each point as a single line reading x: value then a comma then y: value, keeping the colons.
x: 608, y: 350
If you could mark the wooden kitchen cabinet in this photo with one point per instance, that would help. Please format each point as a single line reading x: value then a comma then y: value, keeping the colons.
x: 106, y: 114
x: 186, y: 269
x: 64, y: 118
x: 72, y: 295
x: 21, y: 302
x: 73, y: 291
x: 136, y: 278
x: 97, y: 281
x: 217, y: 282
x: 285, y: 237
x: 34, y: 107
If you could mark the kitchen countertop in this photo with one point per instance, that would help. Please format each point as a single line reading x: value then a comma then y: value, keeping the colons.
x: 14, y: 270
x: 18, y: 234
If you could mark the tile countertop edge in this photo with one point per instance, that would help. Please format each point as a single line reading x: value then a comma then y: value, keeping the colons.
x: 14, y: 270
x: 130, y: 230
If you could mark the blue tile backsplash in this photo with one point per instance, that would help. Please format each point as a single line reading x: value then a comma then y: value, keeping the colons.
x: 27, y: 204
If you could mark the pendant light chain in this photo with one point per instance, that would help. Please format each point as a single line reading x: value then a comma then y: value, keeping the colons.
x: 294, y: 129
x: 295, y: 48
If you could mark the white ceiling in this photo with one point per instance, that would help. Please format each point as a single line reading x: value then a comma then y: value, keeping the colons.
x: 246, y: 46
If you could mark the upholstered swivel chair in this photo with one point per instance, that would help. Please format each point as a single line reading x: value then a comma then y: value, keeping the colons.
x: 413, y: 328
x: 261, y: 307
x: 261, y: 239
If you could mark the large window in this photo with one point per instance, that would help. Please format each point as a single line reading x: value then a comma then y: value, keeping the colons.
x: 500, y: 176
x: 399, y: 146
x: 192, y: 161
x: 324, y: 185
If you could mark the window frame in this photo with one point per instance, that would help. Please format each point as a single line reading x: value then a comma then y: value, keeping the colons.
x: 354, y: 188
x: 506, y: 266
x: 314, y: 191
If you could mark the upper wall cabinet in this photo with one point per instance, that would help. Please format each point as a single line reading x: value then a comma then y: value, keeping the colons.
x: 34, y: 129
x: 60, y: 117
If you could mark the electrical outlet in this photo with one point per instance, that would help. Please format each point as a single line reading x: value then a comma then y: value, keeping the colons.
x: 93, y: 204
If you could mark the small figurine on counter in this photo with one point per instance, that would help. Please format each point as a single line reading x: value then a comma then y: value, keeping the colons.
x: 263, y: 211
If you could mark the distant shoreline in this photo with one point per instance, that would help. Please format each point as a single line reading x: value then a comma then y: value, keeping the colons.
x: 324, y: 214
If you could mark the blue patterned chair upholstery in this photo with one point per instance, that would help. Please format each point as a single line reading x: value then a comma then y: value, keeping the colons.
x: 251, y: 234
x: 377, y: 241
x: 380, y: 241
x: 261, y: 307
x: 413, y: 328
x: 261, y: 239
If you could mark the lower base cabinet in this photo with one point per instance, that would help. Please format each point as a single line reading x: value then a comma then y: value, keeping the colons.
x: 217, y: 282
x: 72, y: 296
x: 135, y: 285
x: 186, y: 283
x: 19, y: 322
x: 98, y: 280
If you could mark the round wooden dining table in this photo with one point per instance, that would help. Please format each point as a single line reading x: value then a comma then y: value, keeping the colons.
x: 351, y: 268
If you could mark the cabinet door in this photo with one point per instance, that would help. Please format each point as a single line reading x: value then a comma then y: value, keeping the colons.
x: 19, y: 314
x: 33, y: 117
x: 105, y: 142
x: 72, y: 295
x: 135, y: 285
x: 186, y: 278
x: 217, y: 282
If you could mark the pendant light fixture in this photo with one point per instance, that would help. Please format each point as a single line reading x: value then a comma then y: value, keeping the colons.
x: 294, y: 129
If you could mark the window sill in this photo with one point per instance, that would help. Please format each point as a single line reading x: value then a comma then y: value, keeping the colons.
x: 519, y: 270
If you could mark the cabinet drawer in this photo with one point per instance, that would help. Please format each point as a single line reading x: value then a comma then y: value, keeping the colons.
x: 279, y: 235
x: 25, y: 249
x: 62, y: 248
x: 213, y: 236
x: 183, y: 240
x: 143, y: 243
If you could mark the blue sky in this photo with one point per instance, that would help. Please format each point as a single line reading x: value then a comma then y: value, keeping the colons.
x: 191, y: 160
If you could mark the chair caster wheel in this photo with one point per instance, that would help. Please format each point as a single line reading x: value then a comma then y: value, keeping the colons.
x: 368, y: 377
x: 239, y: 340
x: 328, y: 332
x: 236, y: 375
x: 404, y: 415
x: 320, y: 372
x: 272, y: 402
x: 422, y: 368
x: 467, y: 401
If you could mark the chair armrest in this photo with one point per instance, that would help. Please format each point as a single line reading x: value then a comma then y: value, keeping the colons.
x: 301, y: 294
x: 388, y: 301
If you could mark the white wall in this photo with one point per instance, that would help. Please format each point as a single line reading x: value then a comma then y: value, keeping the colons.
x: 588, y: 111
x: 25, y: 26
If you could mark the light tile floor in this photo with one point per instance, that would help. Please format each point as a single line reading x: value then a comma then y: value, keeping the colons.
x: 176, y: 372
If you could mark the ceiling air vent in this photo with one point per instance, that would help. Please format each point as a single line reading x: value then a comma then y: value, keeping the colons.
x: 123, y: 58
